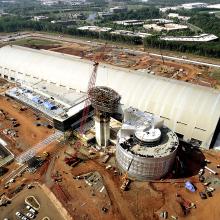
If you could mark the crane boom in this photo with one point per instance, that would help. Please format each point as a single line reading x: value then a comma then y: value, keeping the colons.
x: 91, y: 84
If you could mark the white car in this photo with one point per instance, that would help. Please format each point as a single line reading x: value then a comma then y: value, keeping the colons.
x: 30, y: 215
x: 18, y: 214
x: 24, y: 218
x: 12, y: 180
x: 32, y: 210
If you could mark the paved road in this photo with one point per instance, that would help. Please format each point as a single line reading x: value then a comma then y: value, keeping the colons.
x: 136, y: 52
x: 13, y: 37
x: 186, y: 60
x: 14, y: 173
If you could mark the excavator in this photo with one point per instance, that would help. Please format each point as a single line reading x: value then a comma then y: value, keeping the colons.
x: 125, y: 179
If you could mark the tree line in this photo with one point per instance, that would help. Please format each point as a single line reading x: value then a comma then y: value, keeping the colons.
x: 139, y: 14
x: 14, y: 24
x: 208, y: 22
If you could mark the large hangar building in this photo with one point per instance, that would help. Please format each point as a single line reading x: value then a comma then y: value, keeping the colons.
x: 191, y: 111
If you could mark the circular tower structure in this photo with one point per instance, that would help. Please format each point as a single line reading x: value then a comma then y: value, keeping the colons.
x: 145, y: 149
x: 105, y: 101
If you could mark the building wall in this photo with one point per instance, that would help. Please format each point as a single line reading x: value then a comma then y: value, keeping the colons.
x: 143, y: 168
x: 190, y: 110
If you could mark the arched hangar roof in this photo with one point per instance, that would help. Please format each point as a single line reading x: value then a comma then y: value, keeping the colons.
x: 190, y: 110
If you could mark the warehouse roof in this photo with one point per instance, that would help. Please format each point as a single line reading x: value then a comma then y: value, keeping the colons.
x: 190, y: 110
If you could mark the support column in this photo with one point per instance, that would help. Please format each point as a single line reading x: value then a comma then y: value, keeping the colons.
x: 102, y: 128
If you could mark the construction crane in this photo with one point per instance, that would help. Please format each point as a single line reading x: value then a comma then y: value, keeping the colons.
x: 91, y: 84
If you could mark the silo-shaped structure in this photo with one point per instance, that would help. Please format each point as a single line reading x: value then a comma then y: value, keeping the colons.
x: 146, y: 149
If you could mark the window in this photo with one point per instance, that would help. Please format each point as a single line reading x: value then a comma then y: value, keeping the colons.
x: 182, y: 123
x: 164, y: 117
x: 201, y: 129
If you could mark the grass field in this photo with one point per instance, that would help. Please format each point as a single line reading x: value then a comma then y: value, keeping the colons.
x: 35, y: 42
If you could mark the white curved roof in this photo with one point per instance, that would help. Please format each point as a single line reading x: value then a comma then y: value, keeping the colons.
x: 188, y: 109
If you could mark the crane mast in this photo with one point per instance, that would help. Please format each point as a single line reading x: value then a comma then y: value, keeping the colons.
x: 91, y: 84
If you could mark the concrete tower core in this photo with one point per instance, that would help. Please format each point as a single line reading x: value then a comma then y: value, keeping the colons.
x: 105, y: 101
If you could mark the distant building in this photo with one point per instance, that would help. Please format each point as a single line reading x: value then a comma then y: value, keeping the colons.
x: 104, y: 14
x: 130, y: 22
x: 95, y: 28
x: 215, y: 6
x: 2, y: 14
x: 170, y: 8
x: 118, y: 9
x: 160, y: 21
x: 130, y: 33
x: 79, y: 16
x: 199, y: 38
x: 165, y: 27
x: 194, y: 5
x: 185, y: 6
x: 64, y: 22
x: 49, y: 2
x: 40, y: 18
x: 175, y: 15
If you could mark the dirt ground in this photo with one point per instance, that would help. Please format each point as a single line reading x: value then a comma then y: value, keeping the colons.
x: 144, y: 200
x: 185, y: 72
x: 47, y: 208
x: 28, y: 134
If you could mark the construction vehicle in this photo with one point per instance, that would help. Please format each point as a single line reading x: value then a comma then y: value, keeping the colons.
x: 72, y: 160
x: 185, y: 205
x: 57, y: 177
x: 190, y: 186
x: 202, y: 195
x: 46, y: 154
x: 125, y: 180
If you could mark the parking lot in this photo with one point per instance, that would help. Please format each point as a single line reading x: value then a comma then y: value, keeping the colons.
x: 18, y: 204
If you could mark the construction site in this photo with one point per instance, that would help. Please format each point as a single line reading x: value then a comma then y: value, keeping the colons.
x: 104, y: 134
x: 144, y: 62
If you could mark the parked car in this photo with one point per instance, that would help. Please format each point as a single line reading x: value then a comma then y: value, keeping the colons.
x: 19, y: 215
x: 24, y: 218
x: 32, y: 210
x: 30, y: 215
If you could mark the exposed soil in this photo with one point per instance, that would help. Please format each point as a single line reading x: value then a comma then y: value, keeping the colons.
x: 185, y: 72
